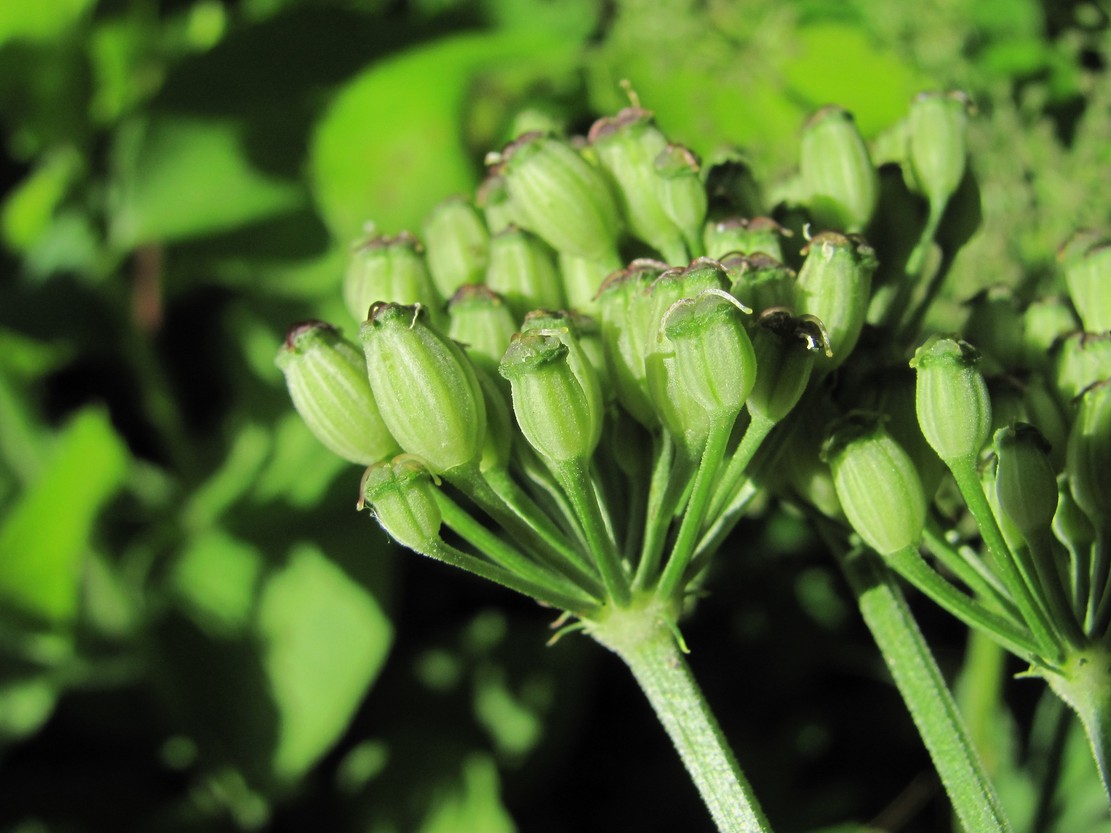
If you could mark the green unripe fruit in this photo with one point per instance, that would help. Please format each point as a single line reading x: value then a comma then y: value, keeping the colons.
x: 1089, y: 455
x: 834, y: 285
x: 554, y: 409
x: 760, y: 281
x: 627, y: 146
x: 995, y: 318
x: 1082, y: 360
x: 402, y: 495
x: 838, y: 178
x: 937, y: 143
x: 390, y: 269
x: 682, y: 193
x: 1025, y: 483
x: 568, y: 328
x: 426, y: 387
x: 561, y: 197
x: 951, y: 398
x: 327, y: 381
x: 456, y: 240
x: 522, y: 271
x: 582, y: 278
x: 493, y: 200
x: 482, y: 322
x: 736, y: 234
x: 1088, y: 276
x: 877, y: 486
x: 1045, y: 322
x: 784, y: 348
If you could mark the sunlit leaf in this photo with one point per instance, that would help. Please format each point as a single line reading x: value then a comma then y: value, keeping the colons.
x: 185, y: 177
x: 40, y: 20
x: 472, y: 804
x: 43, y: 539
x: 217, y: 578
x: 325, y: 638
x: 30, y: 206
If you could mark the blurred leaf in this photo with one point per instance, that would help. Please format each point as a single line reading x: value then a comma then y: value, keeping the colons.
x: 217, y: 577
x: 231, y: 481
x: 29, y: 208
x: 472, y: 804
x: 44, y: 538
x: 831, y: 62
x: 300, y: 469
x: 124, y: 70
x: 40, y: 20
x: 185, y: 177
x: 391, y: 146
x: 325, y: 639
x: 25, y: 704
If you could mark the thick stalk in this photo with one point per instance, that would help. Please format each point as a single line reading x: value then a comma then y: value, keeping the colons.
x: 1085, y: 684
x: 923, y: 690
x: 642, y: 636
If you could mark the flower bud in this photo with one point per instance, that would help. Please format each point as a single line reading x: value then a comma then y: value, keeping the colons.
x: 834, y: 285
x: 1082, y: 360
x: 482, y: 322
x: 582, y: 279
x: 682, y: 193
x: 497, y: 445
x: 731, y: 186
x: 628, y: 145
x: 1045, y: 322
x: 937, y: 144
x: 561, y: 197
x: 522, y: 271
x: 326, y: 377
x: 390, y: 269
x: 568, y: 328
x: 760, y: 281
x: 749, y: 237
x: 951, y: 397
x: 554, y: 409
x: 995, y: 319
x: 1025, y: 483
x: 456, y: 240
x: 493, y: 200
x: 877, y: 485
x: 1071, y: 524
x: 426, y: 388
x: 1089, y: 454
x: 1088, y: 276
x: 626, y: 329
x: 402, y: 495
x: 784, y: 348
x: 839, y: 181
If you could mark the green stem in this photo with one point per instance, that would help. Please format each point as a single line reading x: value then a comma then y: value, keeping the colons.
x: 448, y: 554
x: 670, y: 479
x: 722, y: 525
x: 964, y: 472
x: 675, y: 569
x: 574, y: 476
x: 644, y: 638
x: 971, y: 570
x: 1043, y: 560
x: 1099, y: 608
x: 923, y: 690
x: 1085, y: 684
x: 506, y: 556
x: 733, y: 475
x: 909, y: 564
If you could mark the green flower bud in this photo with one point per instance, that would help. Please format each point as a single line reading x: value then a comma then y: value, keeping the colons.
x: 456, y: 240
x: 877, y: 485
x: 1071, y: 524
x: 838, y: 178
x: 784, y: 347
x: 1012, y: 535
x: 682, y: 194
x: 1088, y: 276
x: 483, y: 323
x: 736, y: 234
x: 1044, y: 412
x: 582, y: 279
x: 390, y: 269
x: 498, y: 442
x: 568, y: 328
x: 1025, y: 483
x: 1089, y: 454
x: 1045, y: 322
x: 626, y: 330
x: 1082, y: 360
x: 494, y: 201
x: 995, y: 319
x: 326, y: 377
x: 951, y: 397
x: 555, y: 410
x: 627, y: 146
x: 402, y: 496
x: 937, y: 143
x: 802, y: 466
x: 425, y: 387
x: 759, y: 280
x: 522, y: 271
x: 834, y: 285
x: 561, y: 197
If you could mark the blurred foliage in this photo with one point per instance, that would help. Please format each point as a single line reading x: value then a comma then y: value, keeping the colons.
x: 196, y: 633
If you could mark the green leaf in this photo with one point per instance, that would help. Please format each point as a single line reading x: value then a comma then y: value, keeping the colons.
x: 42, y: 20
x: 30, y: 206
x: 185, y: 177
x: 472, y: 804
x: 43, y: 540
x: 325, y: 638
x: 217, y: 577
x: 391, y: 145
